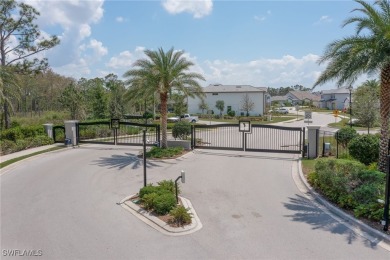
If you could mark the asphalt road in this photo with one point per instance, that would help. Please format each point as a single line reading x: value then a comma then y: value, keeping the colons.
x: 64, y: 204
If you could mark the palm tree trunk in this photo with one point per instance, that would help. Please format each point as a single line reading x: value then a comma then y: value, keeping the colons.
x: 164, y: 118
x: 385, y: 113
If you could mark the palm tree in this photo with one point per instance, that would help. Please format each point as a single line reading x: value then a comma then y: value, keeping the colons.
x: 162, y: 72
x: 368, y: 51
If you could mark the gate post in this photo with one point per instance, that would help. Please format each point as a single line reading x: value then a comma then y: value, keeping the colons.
x: 49, y: 130
x: 313, y: 138
x: 71, y: 131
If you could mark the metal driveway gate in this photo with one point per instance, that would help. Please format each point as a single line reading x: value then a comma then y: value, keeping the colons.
x: 131, y: 134
x: 261, y: 138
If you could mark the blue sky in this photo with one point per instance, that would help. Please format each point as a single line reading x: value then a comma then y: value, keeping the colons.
x: 261, y: 43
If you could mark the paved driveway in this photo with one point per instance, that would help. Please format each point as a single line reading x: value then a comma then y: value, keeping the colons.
x: 64, y: 203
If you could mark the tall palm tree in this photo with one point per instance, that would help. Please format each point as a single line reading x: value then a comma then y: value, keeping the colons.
x: 162, y: 72
x: 368, y: 51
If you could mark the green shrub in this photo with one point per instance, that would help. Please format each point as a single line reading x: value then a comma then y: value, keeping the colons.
x: 22, y: 144
x: 147, y: 190
x: 180, y: 215
x: 345, y: 135
x: 147, y: 115
x: 41, y: 140
x: 372, y: 211
x: 32, y: 131
x: 7, y: 146
x: 181, y: 130
x: 169, y: 186
x: 365, y: 148
x: 232, y: 113
x: 334, y: 179
x: 164, y: 203
x: 12, y: 134
x: 148, y: 200
x: 158, y: 152
x: 351, y: 185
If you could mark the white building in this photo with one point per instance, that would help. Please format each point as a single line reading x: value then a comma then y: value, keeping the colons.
x: 233, y: 96
x: 335, y: 99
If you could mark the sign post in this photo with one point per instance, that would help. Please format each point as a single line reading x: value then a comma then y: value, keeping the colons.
x: 335, y: 114
x: 244, y: 127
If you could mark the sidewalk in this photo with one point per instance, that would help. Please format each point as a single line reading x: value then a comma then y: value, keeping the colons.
x: 11, y: 156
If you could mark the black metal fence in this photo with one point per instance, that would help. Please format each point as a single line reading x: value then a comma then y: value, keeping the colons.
x: 269, y: 138
x: 262, y: 138
x: 329, y: 145
x: 125, y: 133
x: 95, y: 132
x: 131, y: 134
x: 222, y: 136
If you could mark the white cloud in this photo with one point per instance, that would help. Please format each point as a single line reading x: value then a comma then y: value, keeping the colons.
x: 97, y: 48
x: 261, y: 18
x: 75, y: 18
x: 324, y: 19
x: 120, y: 19
x: 124, y: 59
x: 198, y: 8
x: 285, y: 71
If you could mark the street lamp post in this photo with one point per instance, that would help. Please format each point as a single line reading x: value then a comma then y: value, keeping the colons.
x: 350, y: 105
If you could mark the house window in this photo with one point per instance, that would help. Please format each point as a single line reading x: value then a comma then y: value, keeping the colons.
x: 229, y: 108
x: 215, y: 94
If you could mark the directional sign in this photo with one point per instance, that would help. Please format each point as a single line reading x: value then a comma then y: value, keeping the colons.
x: 245, y: 126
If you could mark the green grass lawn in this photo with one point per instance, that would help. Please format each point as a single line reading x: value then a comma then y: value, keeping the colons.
x: 308, y: 166
x: 345, y: 122
x: 275, y: 119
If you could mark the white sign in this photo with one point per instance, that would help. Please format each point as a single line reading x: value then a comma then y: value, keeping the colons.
x: 245, y: 126
x: 308, y: 115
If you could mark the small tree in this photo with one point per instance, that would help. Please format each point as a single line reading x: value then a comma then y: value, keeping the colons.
x: 366, y: 104
x: 220, y: 105
x: 247, y: 104
x: 203, y: 106
x: 365, y: 148
x: 344, y: 135
x: 180, y: 106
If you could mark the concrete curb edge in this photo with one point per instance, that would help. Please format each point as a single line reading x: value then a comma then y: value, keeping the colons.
x: 160, y: 225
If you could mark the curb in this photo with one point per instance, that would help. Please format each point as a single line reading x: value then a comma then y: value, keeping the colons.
x: 160, y: 225
x: 356, y: 225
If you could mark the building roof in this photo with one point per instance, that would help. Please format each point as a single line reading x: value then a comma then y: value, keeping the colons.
x: 302, y: 95
x: 336, y: 91
x: 219, y: 88
x: 279, y: 98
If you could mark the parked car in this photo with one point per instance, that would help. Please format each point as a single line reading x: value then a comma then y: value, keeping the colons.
x: 280, y: 110
x: 186, y: 117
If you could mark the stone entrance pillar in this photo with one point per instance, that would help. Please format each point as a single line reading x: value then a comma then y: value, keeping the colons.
x: 70, y: 131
